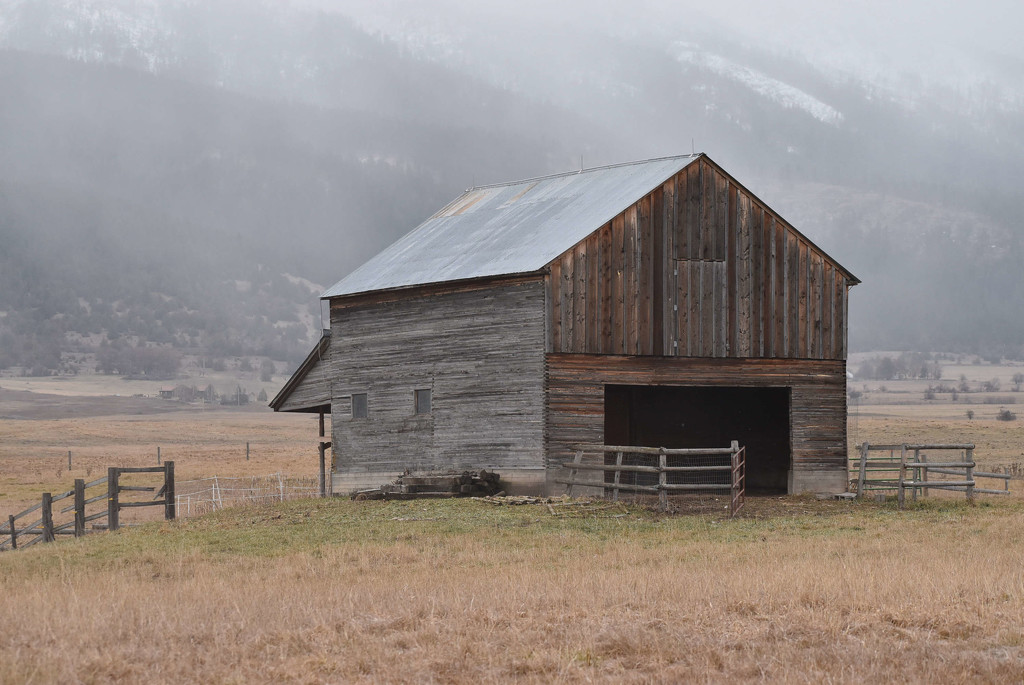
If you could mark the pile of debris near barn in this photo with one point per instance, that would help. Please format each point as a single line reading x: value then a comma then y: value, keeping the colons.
x: 432, y: 485
x: 656, y: 303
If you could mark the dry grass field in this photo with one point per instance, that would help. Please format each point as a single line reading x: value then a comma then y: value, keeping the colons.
x: 464, y: 592
x: 37, y: 431
x: 794, y: 590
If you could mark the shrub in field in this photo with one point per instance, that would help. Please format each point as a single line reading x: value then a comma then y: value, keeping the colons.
x: 1006, y: 415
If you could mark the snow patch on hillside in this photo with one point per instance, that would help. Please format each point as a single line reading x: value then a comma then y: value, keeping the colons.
x: 309, y: 285
x: 777, y: 91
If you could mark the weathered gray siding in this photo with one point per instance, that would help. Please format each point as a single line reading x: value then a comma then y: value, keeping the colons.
x: 479, y: 350
x: 312, y: 390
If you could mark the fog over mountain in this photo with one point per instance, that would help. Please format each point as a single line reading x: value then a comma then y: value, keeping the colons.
x: 189, y: 173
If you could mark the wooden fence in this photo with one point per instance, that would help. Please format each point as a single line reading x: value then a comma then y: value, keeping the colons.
x: 108, y: 517
x: 911, y: 469
x: 692, y: 471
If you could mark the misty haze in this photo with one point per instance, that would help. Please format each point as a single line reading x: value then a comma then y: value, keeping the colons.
x: 194, y: 174
x: 181, y: 181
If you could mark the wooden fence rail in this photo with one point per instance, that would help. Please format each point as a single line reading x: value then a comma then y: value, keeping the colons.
x: 734, y: 483
x: 44, y: 529
x: 911, y: 469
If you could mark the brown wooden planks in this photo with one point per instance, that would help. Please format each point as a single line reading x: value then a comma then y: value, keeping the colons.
x: 708, y: 212
x: 658, y: 279
x: 579, y: 306
x: 568, y: 301
x: 694, y: 296
x: 757, y: 280
x: 828, y: 302
x: 743, y: 286
x: 631, y: 280
x: 645, y: 280
x: 606, y: 287
x: 768, y: 296
x: 720, y: 342
x: 708, y: 309
x: 618, y: 283
x: 818, y: 397
x: 802, y: 298
x: 690, y: 217
x: 815, y: 310
x: 621, y: 291
x: 845, y: 319
x: 780, y: 319
x: 673, y: 188
x: 792, y: 295
x: 724, y: 201
x: 684, y: 315
x: 839, y: 329
x: 732, y: 266
x: 593, y: 300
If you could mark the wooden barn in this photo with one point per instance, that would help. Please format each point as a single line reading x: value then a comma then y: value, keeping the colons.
x: 656, y: 303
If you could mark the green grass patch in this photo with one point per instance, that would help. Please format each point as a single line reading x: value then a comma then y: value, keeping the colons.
x: 247, y: 534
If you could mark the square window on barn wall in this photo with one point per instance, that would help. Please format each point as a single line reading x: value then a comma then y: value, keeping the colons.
x: 360, y: 406
x: 422, y: 401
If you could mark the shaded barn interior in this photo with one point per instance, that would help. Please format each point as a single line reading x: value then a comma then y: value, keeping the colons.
x: 697, y: 417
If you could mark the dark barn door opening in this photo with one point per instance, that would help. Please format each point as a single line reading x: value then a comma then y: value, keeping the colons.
x: 681, y: 417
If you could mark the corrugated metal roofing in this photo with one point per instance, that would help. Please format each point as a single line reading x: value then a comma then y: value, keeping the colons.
x: 510, y: 228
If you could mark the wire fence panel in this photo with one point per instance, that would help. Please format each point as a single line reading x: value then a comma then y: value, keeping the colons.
x: 197, y: 497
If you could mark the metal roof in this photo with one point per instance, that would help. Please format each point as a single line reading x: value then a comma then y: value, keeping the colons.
x: 510, y: 228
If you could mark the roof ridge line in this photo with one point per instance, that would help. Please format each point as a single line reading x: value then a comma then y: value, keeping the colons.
x: 575, y: 173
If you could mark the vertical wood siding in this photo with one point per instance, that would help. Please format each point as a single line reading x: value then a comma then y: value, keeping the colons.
x: 698, y: 268
x: 480, y: 352
x: 817, y: 412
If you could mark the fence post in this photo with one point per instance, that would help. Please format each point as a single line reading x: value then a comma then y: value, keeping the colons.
x: 575, y: 472
x: 662, y: 479
x: 901, y: 497
x: 917, y: 475
x: 863, y: 470
x: 970, y: 476
x: 169, y: 499
x: 618, y: 475
x: 79, y: 507
x: 158, y: 455
x: 247, y: 451
x: 69, y: 460
x: 924, y: 490
x: 47, y: 517
x: 323, y: 478
x: 14, y: 532
x: 280, y: 485
x: 112, y: 499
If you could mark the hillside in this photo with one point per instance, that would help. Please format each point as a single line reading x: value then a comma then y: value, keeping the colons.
x: 143, y: 206
x: 168, y: 169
